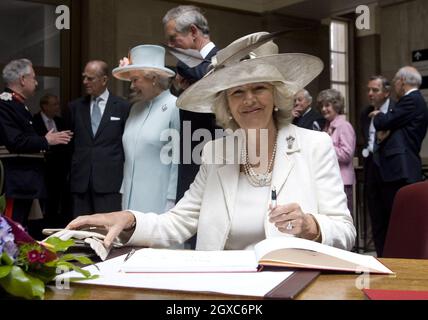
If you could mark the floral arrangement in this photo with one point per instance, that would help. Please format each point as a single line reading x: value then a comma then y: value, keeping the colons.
x: 26, y: 265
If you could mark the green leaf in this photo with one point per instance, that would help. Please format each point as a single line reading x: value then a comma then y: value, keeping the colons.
x: 20, y: 284
x: 2, y: 203
x: 71, y: 266
x: 5, y: 259
x: 4, y: 271
x: 72, y: 257
x: 58, y: 244
x: 92, y: 277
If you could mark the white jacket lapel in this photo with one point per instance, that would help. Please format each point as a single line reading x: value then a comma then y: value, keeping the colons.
x: 229, y: 172
x: 287, y: 144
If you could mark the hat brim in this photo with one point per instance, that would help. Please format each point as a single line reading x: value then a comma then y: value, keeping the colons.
x: 295, y: 70
x: 123, y: 73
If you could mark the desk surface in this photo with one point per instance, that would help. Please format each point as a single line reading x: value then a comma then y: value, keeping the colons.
x: 410, y: 275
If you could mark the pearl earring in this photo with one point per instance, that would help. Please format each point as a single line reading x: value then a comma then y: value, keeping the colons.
x: 230, y: 118
x: 276, y: 109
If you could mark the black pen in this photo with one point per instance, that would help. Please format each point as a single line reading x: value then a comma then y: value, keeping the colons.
x: 129, y: 255
x: 273, y: 198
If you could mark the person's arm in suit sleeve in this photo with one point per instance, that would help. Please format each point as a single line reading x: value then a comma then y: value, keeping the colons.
x: 18, y: 141
x: 345, y: 145
x: 174, y: 145
x: 177, y: 225
x: 333, y: 217
x: 396, y: 118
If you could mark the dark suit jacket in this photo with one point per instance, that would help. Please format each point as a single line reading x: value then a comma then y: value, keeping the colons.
x: 308, y: 119
x: 58, y: 156
x: 365, y: 120
x: 100, y: 157
x: 187, y: 172
x: 399, y: 153
x: 24, y: 176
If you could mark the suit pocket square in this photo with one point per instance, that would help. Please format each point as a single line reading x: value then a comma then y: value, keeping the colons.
x: 114, y: 119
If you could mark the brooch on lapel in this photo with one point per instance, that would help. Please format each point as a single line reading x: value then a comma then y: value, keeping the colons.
x: 164, y: 108
x: 290, y: 141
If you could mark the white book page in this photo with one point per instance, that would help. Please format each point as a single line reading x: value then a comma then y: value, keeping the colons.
x: 363, y: 261
x: 256, y: 284
x: 165, y: 260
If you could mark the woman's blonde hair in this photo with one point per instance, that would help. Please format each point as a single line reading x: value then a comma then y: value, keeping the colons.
x: 282, y: 99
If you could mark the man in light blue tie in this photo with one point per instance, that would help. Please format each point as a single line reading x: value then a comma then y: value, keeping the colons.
x: 98, y: 121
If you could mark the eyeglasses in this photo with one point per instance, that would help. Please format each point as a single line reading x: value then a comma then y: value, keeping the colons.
x: 90, y: 79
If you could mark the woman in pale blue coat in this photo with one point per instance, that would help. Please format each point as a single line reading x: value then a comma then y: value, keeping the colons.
x: 150, y: 174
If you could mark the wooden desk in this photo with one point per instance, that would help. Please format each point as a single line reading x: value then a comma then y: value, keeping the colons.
x: 410, y: 275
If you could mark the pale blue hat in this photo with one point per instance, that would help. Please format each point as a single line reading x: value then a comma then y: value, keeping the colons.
x: 144, y: 57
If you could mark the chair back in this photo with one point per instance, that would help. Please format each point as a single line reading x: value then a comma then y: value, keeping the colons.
x: 407, y: 235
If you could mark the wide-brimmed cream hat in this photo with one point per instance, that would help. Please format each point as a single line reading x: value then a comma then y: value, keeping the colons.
x: 244, y: 62
x: 144, y: 57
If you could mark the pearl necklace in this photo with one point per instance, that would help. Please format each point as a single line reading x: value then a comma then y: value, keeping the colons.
x: 257, y: 179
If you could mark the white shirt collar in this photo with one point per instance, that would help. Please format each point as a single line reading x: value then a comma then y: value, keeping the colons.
x: 384, y: 107
x: 410, y: 91
x: 104, y: 96
x: 45, y: 117
x: 207, y: 49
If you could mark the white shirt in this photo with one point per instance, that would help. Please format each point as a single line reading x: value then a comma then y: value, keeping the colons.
x: 46, y: 121
x: 247, y: 226
x: 102, y: 104
x: 207, y: 49
x: 372, y: 129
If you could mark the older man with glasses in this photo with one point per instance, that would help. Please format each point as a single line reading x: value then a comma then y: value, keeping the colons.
x: 98, y: 121
x: 23, y: 161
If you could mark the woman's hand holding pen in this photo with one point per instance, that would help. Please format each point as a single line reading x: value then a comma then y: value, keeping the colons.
x: 291, y: 219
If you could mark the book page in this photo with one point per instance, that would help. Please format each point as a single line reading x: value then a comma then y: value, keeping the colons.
x: 165, y: 260
x: 255, y: 284
x: 327, y: 257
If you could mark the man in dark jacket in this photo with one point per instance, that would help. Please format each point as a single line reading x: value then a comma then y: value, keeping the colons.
x: 377, y: 197
x: 23, y: 161
x: 186, y: 28
x: 58, y: 202
x: 405, y: 127
x: 304, y: 115
x: 98, y: 121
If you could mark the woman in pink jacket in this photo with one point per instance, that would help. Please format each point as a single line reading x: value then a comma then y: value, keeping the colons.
x: 331, y: 105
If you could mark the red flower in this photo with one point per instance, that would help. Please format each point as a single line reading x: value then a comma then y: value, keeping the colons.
x: 42, y: 258
x: 33, y: 256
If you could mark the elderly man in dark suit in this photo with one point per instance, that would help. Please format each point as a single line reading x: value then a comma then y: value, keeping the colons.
x: 186, y: 28
x: 57, y: 204
x: 404, y: 128
x: 378, y: 93
x: 98, y: 121
x: 304, y: 115
x: 24, y: 164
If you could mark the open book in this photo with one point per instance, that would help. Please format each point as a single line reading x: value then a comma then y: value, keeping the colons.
x: 287, y: 252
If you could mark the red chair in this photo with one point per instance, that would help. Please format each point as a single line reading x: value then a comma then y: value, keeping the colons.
x: 407, y: 235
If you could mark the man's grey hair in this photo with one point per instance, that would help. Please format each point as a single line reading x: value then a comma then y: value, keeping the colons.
x: 15, y: 70
x: 410, y: 76
x: 184, y: 17
x: 306, y: 95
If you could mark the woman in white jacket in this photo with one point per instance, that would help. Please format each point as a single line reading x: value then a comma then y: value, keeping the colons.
x: 250, y: 89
